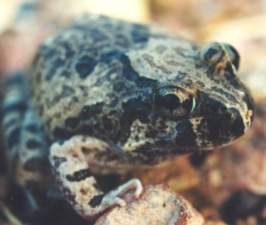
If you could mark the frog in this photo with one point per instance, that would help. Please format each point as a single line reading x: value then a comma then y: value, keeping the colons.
x: 104, y: 96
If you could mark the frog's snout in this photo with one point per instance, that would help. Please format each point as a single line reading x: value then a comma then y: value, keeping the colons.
x: 236, y: 125
x: 217, y: 129
x: 249, y: 114
x: 240, y: 121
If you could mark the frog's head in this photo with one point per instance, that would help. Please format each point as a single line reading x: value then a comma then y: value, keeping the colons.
x: 202, y: 104
x: 212, y: 108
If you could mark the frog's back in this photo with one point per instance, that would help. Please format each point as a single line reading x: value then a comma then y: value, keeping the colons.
x: 77, y: 72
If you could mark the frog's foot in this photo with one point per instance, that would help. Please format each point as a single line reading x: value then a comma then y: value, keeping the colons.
x: 114, y: 196
x: 73, y: 162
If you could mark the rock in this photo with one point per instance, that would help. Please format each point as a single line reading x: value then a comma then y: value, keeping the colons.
x: 157, y: 205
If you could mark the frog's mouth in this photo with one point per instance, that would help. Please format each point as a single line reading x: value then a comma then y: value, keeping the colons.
x: 186, y: 136
x: 206, y: 133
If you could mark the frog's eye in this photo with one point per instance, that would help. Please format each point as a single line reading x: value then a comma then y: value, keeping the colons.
x: 212, y: 53
x: 215, y: 52
x: 174, y: 102
x: 233, y: 55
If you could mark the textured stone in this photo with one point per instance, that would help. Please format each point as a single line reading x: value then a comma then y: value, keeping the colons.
x: 156, y: 206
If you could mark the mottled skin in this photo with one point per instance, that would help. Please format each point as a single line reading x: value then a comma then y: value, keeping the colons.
x: 106, y: 96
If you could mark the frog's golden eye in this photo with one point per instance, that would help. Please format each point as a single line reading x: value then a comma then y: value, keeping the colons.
x: 174, y: 102
x: 215, y: 53
x: 233, y: 55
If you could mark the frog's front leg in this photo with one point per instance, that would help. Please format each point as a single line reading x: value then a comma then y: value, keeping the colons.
x: 73, y: 161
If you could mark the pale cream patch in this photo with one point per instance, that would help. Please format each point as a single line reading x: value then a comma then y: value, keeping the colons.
x: 137, y: 137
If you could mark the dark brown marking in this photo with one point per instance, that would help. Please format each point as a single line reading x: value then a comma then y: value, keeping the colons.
x: 78, y: 175
x: 33, y: 144
x: 96, y: 200
x: 85, y: 66
x: 57, y: 161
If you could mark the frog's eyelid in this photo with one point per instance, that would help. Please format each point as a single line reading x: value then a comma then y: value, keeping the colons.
x: 226, y: 52
x: 228, y: 58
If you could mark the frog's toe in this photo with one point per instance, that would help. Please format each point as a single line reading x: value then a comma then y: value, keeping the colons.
x: 111, y: 200
x: 138, y: 187
x: 114, y: 197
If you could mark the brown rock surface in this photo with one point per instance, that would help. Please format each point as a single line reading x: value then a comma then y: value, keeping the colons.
x: 156, y: 206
